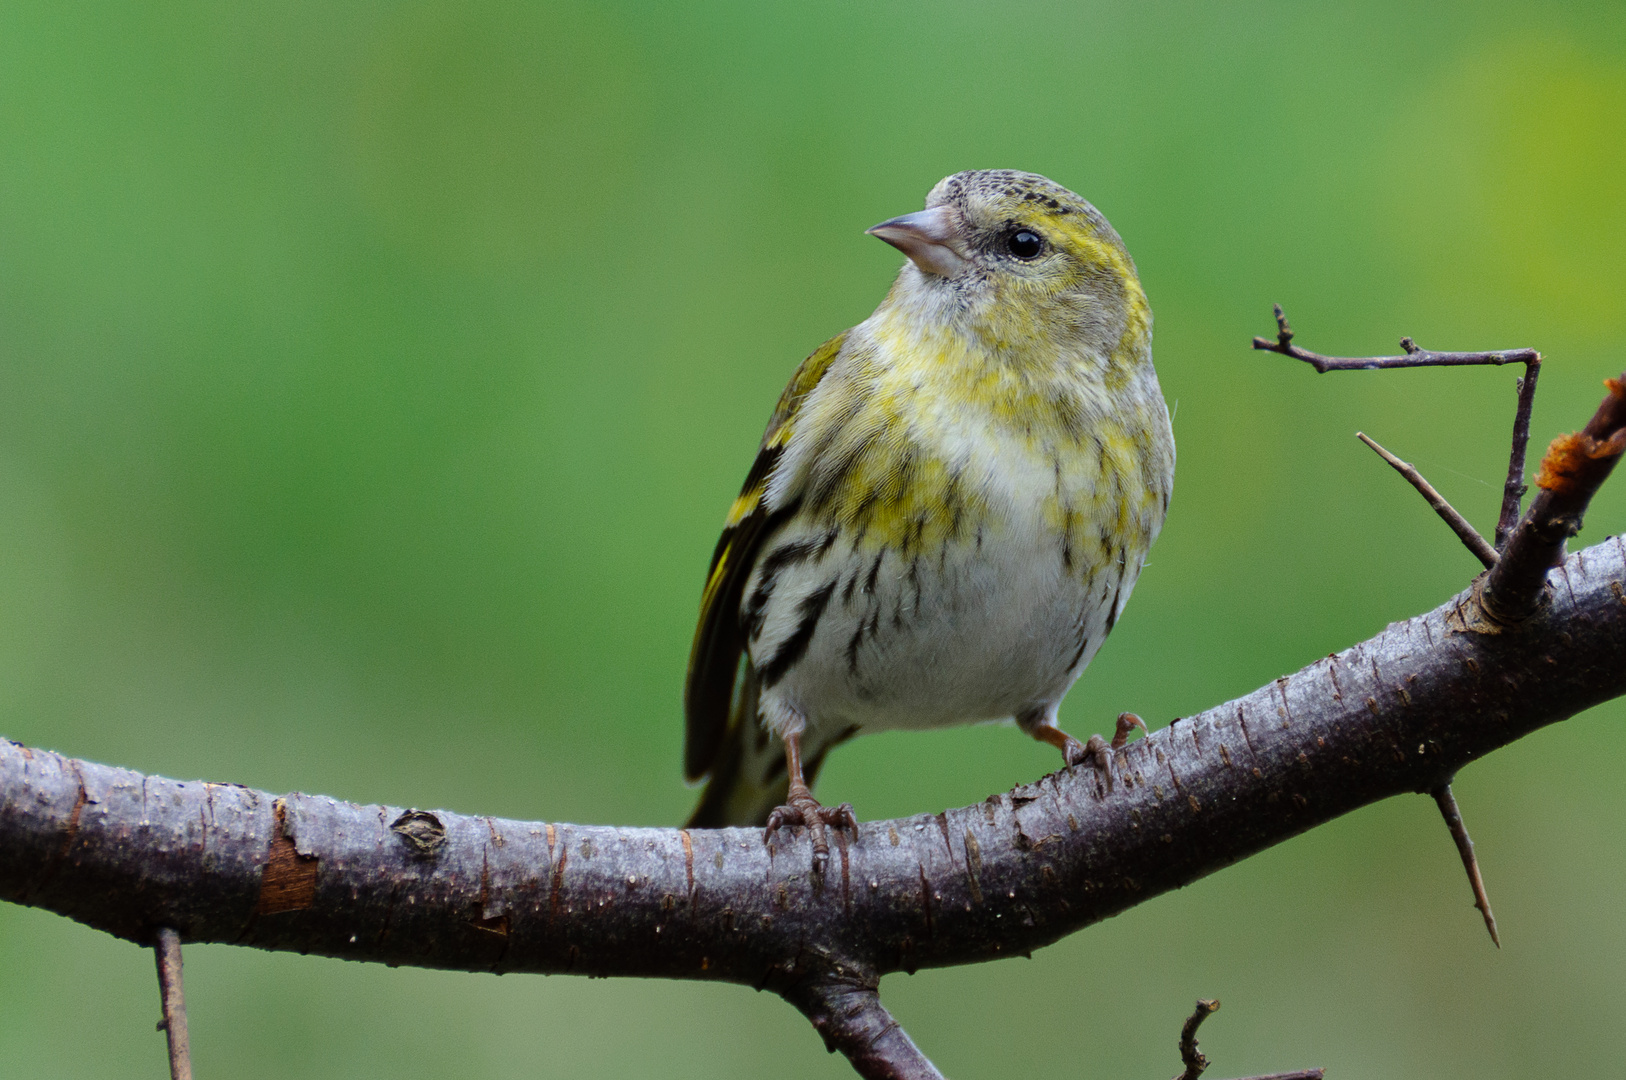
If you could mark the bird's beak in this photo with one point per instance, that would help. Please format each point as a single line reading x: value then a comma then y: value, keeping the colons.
x: 928, y: 237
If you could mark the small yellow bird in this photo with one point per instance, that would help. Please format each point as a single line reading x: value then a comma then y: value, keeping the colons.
x: 949, y: 509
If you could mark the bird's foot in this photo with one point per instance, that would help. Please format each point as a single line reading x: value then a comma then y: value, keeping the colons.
x: 1097, y: 751
x: 801, y: 808
x: 1093, y: 751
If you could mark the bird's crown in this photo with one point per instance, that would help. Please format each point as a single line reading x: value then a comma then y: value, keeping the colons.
x: 993, y: 203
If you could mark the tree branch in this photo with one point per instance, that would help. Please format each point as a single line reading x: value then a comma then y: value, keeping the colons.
x: 1194, y: 1060
x: 1412, y: 356
x: 848, y: 1014
x: 1402, y: 712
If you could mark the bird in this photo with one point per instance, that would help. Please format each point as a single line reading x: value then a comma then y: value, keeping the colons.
x: 948, y: 510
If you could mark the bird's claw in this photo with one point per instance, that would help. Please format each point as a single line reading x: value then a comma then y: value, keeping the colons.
x: 1127, y: 722
x: 1094, y: 752
x: 801, y: 808
x: 1097, y: 751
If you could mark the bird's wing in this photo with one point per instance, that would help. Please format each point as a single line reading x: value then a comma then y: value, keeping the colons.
x: 719, y: 640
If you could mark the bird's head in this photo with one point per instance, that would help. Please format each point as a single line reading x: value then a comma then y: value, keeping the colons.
x: 1020, y: 261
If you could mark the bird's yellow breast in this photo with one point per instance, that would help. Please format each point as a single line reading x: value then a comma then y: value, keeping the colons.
x: 934, y: 432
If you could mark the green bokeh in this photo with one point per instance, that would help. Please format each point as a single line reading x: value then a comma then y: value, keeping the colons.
x: 373, y: 379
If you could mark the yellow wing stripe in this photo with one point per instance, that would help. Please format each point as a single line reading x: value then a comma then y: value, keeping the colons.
x: 743, y: 505
x: 719, y: 641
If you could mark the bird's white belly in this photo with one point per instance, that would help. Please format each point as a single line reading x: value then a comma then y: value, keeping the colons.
x: 994, y: 625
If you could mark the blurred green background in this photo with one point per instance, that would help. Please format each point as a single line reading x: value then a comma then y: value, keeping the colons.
x: 374, y: 378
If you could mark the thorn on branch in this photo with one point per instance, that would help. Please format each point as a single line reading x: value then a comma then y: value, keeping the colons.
x: 1465, y: 847
x: 1414, y: 355
x: 167, y: 949
x: 1459, y: 524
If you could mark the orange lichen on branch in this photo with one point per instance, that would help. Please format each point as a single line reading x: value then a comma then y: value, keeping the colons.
x: 1571, y: 458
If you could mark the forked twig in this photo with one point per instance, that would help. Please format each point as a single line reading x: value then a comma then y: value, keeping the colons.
x: 1512, y: 589
x: 1196, y: 1062
x: 1465, y: 848
x: 167, y: 949
x: 1459, y: 524
x: 1413, y: 356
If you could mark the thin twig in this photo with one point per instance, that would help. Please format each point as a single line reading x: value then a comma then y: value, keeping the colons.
x: 167, y: 949
x: 1196, y: 1061
x: 1459, y: 524
x: 1465, y: 848
x: 1514, y: 488
x: 1412, y: 356
x: 1193, y: 1057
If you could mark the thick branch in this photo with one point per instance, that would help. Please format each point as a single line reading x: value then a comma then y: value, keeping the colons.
x: 1401, y: 712
x: 849, y: 1015
x: 152, y: 859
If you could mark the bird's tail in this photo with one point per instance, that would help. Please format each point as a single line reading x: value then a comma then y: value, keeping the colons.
x: 747, y: 778
x: 747, y: 781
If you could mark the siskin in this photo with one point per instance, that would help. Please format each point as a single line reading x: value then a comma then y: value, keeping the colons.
x: 949, y: 509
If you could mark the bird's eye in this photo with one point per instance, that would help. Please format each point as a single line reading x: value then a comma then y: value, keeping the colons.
x: 1025, y: 243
